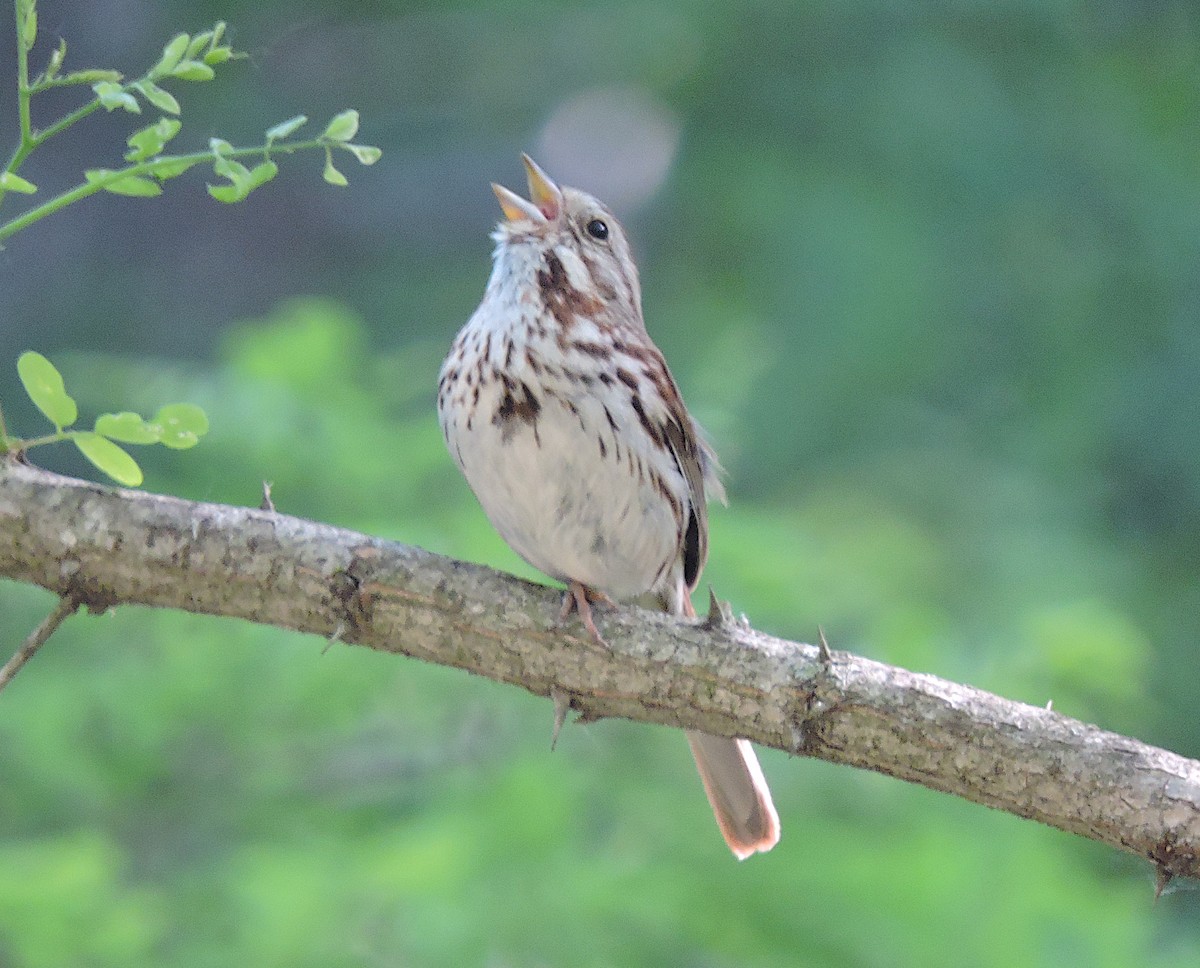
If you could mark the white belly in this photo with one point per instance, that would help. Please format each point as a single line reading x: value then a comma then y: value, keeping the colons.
x: 569, y: 510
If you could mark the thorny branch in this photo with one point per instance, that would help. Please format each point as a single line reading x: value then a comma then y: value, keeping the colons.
x: 101, y: 547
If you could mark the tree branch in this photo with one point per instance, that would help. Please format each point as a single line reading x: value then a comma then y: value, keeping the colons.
x: 104, y: 547
x: 66, y: 607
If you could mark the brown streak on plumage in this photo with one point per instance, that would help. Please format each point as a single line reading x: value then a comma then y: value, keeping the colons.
x: 514, y: 410
x: 564, y: 301
x: 651, y: 431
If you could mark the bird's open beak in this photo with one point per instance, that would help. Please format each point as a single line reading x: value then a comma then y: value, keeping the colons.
x: 545, y: 197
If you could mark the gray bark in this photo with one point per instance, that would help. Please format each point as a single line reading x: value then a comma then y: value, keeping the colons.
x: 105, y: 547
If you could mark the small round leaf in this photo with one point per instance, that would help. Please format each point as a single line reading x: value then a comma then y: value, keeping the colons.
x: 161, y: 99
x: 171, y: 56
x: 15, y: 183
x: 44, y: 384
x: 183, y: 424
x: 226, y: 193
x: 191, y: 70
x: 332, y: 175
x: 343, y: 127
x: 197, y: 43
x: 135, y: 187
x: 262, y: 173
x: 110, y: 458
x: 127, y: 427
x: 171, y: 168
x: 286, y: 128
x: 366, y: 154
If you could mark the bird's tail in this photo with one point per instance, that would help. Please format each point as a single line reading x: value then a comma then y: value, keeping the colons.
x: 733, y: 781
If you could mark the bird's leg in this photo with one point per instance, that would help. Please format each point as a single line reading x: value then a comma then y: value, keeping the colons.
x: 578, y: 598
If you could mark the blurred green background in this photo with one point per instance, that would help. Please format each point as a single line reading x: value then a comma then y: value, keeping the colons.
x: 929, y: 275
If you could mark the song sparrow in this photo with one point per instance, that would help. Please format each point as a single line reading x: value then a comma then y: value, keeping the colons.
x: 568, y: 426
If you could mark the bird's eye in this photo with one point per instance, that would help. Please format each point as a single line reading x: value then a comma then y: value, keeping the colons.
x: 597, y: 229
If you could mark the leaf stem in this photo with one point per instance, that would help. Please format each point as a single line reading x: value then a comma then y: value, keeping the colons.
x: 53, y: 438
x: 65, y: 122
x: 24, y: 93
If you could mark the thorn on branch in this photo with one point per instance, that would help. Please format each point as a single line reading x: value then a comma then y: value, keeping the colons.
x: 1161, y: 880
x: 720, y: 614
x: 562, y: 705
x: 67, y: 605
x: 823, y: 647
x: 335, y: 637
x: 266, y: 504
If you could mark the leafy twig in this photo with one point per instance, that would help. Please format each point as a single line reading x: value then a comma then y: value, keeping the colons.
x: 135, y: 179
x: 176, y: 425
x: 184, y: 58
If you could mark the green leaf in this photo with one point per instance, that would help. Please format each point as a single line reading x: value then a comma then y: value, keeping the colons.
x: 45, y: 387
x: 27, y: 14
x: 218, y: 55
x: 171, y: 56
x: 170, y: 168
x: 110, y: 458
x: 134, y: 186
x: 193, y: 70
x: 262, y: 173
x: 131, y: 185
x: 10, y: 182
x: 366, y: 154
x: 163, y: 100
x: 202, y: 38
x: 232, y: 169
x: 149, y: 141
x: 91, y: 76
x: 343, y: 127
x: 285, y: 128
x: 332, y: 175
x: 127, y: 427
x: 219, y: 146
x: 183, y: 424
x: 112, y: 96
x: 218, y: 32
x: 226, y: 193
x: 56, y: 59
x: 167, y: 128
